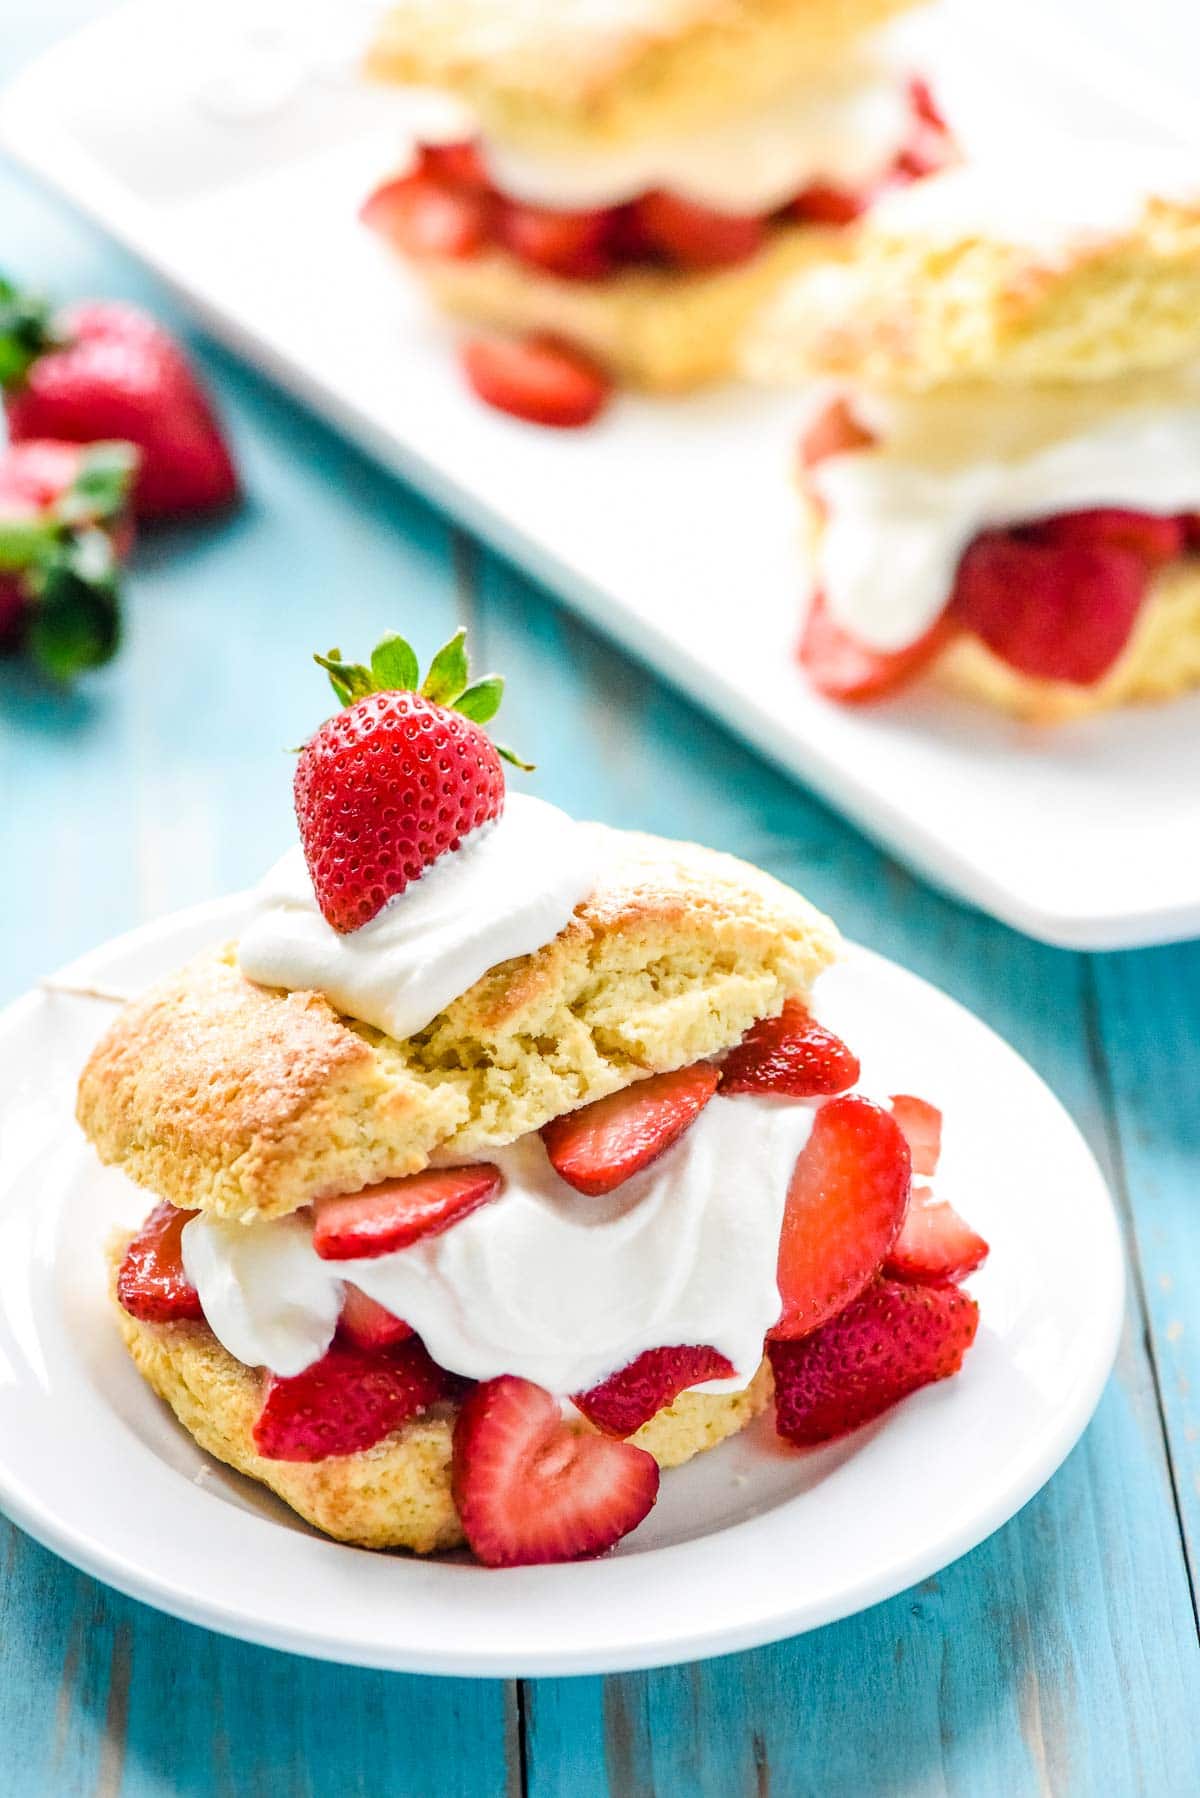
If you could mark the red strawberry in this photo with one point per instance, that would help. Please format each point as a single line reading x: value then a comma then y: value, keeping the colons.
x: 935, y: 1246
x: 823, y: 204
x: 790, y: 1054
x: 629, y: 1398
x: 422, y: 215
x: 597, y: 1147
x: 529, y: 1489
x: 539, y: 379
x: 104, y: 371
x: 368, y: 1325
x: 1054, y: 611
x: 456, y: 165
x: 574, y: 244
x: 843, y: 668
x: 398, y: 777
x: 835, y: 431
x: 922, y: 1127
x: 347, y: 1401
x: 1146, y: 534
x: 397, y: 1213
x: 695, y: 236
x: 892, y: 1340
x: 152, y: 1285
x: 845, y: 1206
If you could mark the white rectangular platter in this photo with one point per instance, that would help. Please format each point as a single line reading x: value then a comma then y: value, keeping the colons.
x: 669, y: 525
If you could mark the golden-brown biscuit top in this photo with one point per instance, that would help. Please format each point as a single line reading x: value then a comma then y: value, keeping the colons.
x: 248, y: 1103
x: 611, y: 70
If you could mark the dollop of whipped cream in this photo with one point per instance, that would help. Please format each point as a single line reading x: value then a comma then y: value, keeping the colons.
x: 846, y: 128
x: 507, y: 890
x: 543, y: 1282
x: 895, y: 524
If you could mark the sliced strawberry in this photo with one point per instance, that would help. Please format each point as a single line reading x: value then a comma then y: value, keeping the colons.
x: 369, y: 1325
x: 892, y: 1340
x: 926, y: 108
x: 632, y: 1396
x: 531, y: 1490
x: 1055, y: 611
x: 845, y: 1206
x: 935, y: 1247
x: 574, y: 244
x: 835, y: 431
x: 152, y: 1285
x: 790, y: 1054
x: 538, y: 379
x: 1146, y: 534
x: 397, y: 1213
x: 843, y: 668
x: 695, y: 236
x: 423, y: 216
x: 922, y: 1127
x: 597, y: 1147
x: 822, y: 203
x: 347, y: 1401
x: 456, y: 165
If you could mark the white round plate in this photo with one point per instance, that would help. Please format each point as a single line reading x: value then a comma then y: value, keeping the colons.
x: 751, y: 1542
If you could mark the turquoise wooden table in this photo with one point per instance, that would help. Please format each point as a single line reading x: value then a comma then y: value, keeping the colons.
x: 1061, y: 1656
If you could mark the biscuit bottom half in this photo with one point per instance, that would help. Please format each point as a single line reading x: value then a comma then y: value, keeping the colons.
x: 396, y: 1494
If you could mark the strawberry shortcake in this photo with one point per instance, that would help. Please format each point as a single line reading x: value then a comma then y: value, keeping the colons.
x: 504, y: 1162
x: 1004, y: 486
x: 623, y: 185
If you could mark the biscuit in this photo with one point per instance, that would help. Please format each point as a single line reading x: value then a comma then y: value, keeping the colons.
x: 248, y: 1103
x: 396, y: 1494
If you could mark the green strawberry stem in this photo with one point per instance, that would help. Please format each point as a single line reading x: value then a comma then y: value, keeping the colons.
x: 394, y: 668
x: 26, y: 330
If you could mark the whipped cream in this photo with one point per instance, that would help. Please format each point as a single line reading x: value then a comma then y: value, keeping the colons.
x: 846, y: 128
x: 896, y: 524
x: 543, y: 1281
x: 507, y: 890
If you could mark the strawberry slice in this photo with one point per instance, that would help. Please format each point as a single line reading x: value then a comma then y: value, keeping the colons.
x: 573, y: 244
x: 845, y: 1206
x: 1057, y: 611
x: 935, y: 1247
x: 695, y: 236
x: 369, y: 1325
x: 835, y: 431
x: 597, y: 1147
x: 922, y: 1127
x: 456, y: 165
x: 536, y: 378
x: 843, y: 668
x: 790, y: 1054
x: 397, y: 1213
x: 152, y: 1285
x: 824, y: 204
x: 422, y: 216
x: 1154, y: 538
x: 347, y: 1401
x: 530, y: 1490
x: 892, y: 1340
x: 629, y: 1398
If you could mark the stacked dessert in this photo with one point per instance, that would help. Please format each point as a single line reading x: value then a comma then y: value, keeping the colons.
x: 503, y: 1162
x: 1004, y: 486
x: 631, y: 181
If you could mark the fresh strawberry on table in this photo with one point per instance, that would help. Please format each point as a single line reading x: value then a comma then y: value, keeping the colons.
x: 396, y: 1213
x: 790, y: 1054
x: 347, y: 1401
x: 529, y: 1489
x: 632, y: 1396
x: 64, y: 523
x: 603, y: 1144
x: 888, y: 1342
x: 102, y: 370
x: 152, y: 1285
x: 363, y: 780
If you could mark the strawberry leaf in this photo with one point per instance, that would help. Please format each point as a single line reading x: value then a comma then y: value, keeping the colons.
x: 74, y: 620
x: 481, y: 701
x: 448, y: 676
x: 100, y: 491
x: 23, y: 541
x: 394, y: 665
x: 510, y: 755
x: 25, y: 331
x: 349, y: 680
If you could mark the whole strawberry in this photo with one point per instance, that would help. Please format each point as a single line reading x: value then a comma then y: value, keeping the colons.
x: 101, y: 370
x: 398, y: 777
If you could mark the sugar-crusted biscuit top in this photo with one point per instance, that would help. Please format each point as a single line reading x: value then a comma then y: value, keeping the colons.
x: 248, y: 1103
x: 612, y: 70
x: 911, y: 302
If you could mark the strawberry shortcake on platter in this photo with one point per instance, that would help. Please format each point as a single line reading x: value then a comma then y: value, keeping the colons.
x: 620, y: 186
x: 504, y: 1161
x: 1003, y: 483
